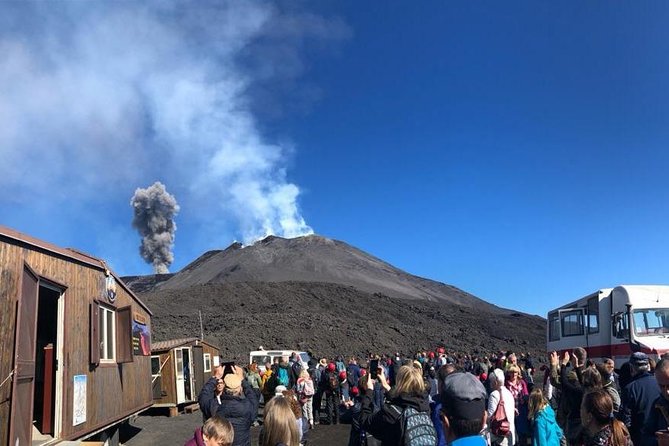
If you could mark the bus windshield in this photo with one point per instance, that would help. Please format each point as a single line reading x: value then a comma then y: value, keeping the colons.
x: 651, y: 321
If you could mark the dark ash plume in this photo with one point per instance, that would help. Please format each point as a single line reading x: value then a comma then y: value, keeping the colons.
x: 155, y: 210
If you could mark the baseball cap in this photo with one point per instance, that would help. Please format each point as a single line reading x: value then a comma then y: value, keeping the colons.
x: 463, y: 396
x: 639, y: 359
x: 232, y: 381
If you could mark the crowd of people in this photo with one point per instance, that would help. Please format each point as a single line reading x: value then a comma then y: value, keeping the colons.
x: 437, y: 398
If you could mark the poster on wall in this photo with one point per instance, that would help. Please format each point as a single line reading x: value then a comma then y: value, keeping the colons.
x: 141, y: 337
x: 79, y: 405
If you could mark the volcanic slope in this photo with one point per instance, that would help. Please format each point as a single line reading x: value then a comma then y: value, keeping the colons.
x: 308, y: 259
x: 326, y: 296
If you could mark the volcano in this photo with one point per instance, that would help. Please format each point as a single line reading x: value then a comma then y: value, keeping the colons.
x: 326, y: 296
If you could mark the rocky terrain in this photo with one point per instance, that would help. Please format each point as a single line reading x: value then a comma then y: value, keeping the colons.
x: 324, y: 296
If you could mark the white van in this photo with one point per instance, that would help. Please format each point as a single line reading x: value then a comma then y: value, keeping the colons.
x: 260, y: 357
x: 613, y: 323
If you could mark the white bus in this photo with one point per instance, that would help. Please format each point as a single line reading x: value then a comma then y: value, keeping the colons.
x: 613, y: 323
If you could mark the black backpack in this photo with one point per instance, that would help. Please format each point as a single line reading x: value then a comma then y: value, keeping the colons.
x: 333, y: 381
x: 416, y: 427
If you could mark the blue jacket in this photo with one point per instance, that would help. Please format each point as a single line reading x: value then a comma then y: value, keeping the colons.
x: 546, y: 431
x: 637, y: 407
x: 435, y: 409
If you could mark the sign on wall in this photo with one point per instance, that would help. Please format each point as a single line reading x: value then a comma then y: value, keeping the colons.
x: 79, y: 405
x: 141, y: 337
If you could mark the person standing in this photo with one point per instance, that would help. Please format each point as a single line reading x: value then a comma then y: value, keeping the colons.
x: 545, y: 430
x: 305, y: 394
x: 238, y: 405
x: 637, y: 399
x: 500, y: 394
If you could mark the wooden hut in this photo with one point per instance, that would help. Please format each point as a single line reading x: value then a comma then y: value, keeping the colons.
x: 74, y: 345
x: 179, y: 368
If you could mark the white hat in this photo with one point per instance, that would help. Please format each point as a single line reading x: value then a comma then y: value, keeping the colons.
x: 279, y: 390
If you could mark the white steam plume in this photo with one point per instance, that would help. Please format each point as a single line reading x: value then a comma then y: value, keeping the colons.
x: 154, y: 212
x: 110, y: 95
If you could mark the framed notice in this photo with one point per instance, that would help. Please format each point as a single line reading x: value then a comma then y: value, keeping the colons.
x: 141, y: 339
x: 79, y: 405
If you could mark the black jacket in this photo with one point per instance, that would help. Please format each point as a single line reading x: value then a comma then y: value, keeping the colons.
x: 240, y: 411
x: 385, y: 423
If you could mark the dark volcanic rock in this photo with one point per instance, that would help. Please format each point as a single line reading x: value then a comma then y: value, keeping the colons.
x: 313, y: 293
x: 331, y: 319
x: 315, y: 259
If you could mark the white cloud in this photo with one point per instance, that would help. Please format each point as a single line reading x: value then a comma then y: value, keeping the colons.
x: 115, y: 95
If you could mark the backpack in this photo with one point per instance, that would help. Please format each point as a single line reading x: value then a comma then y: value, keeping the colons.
x: 416, y: 427
x: 297, y: 369
x: 499, y: 425
x: 333, y: 381
x: 282, y: 376
x: 306, y: 387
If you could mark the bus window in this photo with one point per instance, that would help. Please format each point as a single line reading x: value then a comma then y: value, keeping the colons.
x: 572, y: 323
x: 553, y: 327
x: 593, y: 315
x: 651, y: 321
x: 620, y: 329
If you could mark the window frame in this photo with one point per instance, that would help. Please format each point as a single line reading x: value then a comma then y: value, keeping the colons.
x: 554, y: 326
x: 593, y: 300
x: 564, y: 314
x: 207, y: 361
x: 104, y: 336
x: 155, y: 375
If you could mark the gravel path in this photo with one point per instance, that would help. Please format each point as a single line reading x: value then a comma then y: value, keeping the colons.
x: 158, y: 429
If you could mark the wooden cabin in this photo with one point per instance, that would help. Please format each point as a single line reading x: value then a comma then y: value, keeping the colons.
x: 74, y: 345
x: 179, y: 369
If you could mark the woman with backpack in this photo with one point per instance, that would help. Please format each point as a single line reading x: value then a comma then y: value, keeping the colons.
x: 407, y: 404
x: 501, y: 407
x: 305, y: 393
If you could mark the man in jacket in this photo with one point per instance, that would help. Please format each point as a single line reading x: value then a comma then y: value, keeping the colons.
x: 463, y: 409
x: 638, y: 399
x: 238, y: 403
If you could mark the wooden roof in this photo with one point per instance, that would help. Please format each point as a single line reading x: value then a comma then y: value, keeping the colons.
x: 68, y: 254
x: 173, y: 343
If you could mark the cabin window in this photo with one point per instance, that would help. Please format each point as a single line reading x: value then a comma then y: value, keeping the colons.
x: 572, y: 323
x: 107, y: 332
x: 207, y: 362
x: 155, y: 368
x: 553, y: 327
x: 593, y: 315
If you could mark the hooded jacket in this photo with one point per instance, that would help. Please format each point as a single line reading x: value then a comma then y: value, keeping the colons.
x: 240, y: 411
x: 197, y: 439
x: 385, y: 424
x: 546, y: 431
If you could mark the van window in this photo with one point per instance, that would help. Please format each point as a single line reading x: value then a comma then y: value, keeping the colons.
x: 593, y: 315
x: 553, y: 327
x: 261, y: 359
x: 572, y: 323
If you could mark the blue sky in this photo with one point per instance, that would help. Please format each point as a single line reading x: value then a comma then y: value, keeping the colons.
x: 517, y: 150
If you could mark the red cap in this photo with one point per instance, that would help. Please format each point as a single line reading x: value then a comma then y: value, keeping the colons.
x: 430, y: 355
x: 354, y: 391
x: 363, y: 372
x: 331, y: 367
x: 342, y: 375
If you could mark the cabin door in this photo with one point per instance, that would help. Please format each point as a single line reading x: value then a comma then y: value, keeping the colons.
x: 20, y: 426
x: 184, y: 375
x: 198, y: 369
x: 47, y: 359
